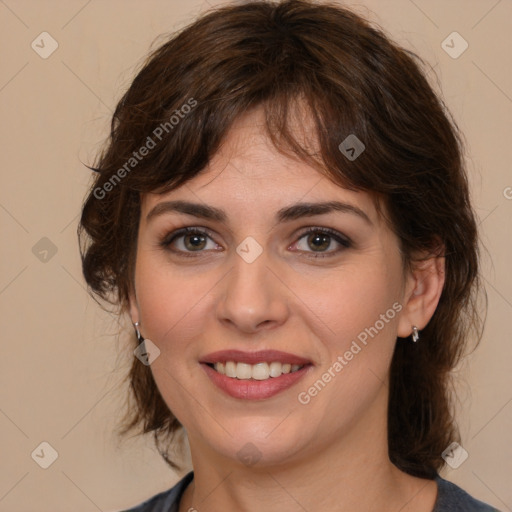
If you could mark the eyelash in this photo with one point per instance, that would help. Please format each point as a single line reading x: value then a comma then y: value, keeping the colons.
x: 344, y: 241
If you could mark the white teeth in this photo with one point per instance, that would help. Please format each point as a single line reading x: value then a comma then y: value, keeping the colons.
x: 230, y: 369
x: 259, y: 371
x: 275, y: 369
x: 286, y: 368
x: 243, y: 371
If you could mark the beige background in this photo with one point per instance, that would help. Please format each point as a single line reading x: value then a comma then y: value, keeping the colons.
x: 61, y: 362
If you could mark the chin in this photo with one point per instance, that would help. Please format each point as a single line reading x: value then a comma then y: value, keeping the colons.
x: 262, y: 447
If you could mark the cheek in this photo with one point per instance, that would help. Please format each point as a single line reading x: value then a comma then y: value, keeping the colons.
x: 361, y: 313
x: 356, y: 302
x: 171, y: 301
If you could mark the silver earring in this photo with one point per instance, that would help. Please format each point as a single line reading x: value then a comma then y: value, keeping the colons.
x: 137, y: 332
x: 415, y: 334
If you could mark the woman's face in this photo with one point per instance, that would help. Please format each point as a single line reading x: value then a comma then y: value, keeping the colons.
x: 257, y: 281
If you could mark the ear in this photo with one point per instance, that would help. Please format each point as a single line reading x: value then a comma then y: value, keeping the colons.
x: 423, y: 288
x: 133, y: 307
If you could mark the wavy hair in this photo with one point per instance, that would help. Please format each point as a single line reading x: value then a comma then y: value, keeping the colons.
x: 352, y: 79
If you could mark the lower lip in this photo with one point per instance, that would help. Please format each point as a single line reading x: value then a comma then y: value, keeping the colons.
x: 251, y: 389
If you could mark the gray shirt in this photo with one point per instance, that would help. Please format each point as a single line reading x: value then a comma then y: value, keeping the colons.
x: 450, y: 498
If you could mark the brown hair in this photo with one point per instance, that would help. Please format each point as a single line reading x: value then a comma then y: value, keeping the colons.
x: 353, y: 80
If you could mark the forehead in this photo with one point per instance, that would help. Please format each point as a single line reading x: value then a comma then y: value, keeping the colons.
x: 249, y: 174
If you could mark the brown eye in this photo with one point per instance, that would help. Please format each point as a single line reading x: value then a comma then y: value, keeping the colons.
x: 318, y: 240
x: 188, y: 240
x: 193, y: 242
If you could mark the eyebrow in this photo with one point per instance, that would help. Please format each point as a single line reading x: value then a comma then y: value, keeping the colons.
x: 288, y: 213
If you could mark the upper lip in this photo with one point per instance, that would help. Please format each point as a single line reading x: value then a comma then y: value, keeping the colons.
x: 268, y: 356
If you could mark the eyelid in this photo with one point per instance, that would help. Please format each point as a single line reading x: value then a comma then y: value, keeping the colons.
x: 344, y: 241
x: 340, y: 237
x: 170, y: 237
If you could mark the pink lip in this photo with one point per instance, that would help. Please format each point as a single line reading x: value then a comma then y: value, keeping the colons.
x: 255, y: 389
x: 262, y: 356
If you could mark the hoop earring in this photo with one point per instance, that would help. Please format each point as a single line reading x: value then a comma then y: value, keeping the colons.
x: 137, y: 332
x: 415, y: 335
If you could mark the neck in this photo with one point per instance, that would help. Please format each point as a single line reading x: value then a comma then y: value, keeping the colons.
x: 353, y: 474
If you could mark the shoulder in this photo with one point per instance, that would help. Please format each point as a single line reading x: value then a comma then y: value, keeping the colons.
x: 166, y: 501
x: 451, y: 498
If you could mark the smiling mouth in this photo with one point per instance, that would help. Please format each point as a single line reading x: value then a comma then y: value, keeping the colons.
x: 259, y: 371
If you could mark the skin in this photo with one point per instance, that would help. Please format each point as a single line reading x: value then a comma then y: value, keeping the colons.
x: 285, y: 300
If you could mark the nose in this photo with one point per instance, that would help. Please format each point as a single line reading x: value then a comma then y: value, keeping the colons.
x: 254, y: 297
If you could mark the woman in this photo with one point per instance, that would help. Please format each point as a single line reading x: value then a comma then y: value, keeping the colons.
x: 283, y: 212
